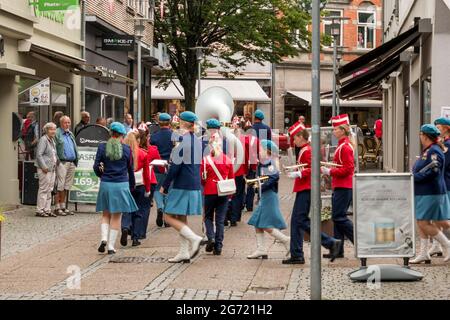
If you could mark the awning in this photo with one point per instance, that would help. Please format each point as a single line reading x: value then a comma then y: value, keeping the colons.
x: 72, y: 64
x: 306, y: 96
x: 447, y: 2
x: 240, y: 90
x: 361, y: 78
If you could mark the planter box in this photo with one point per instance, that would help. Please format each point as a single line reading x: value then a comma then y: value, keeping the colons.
x: 326, y: 226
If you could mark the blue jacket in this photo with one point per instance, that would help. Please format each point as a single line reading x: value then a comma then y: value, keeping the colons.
x: 447, y: 165
x: 430, y: 182
x: 259, y: 128
x: 163, y: 140
x: 115, y: 171
x: 268, y: 168
x: 185, y: 164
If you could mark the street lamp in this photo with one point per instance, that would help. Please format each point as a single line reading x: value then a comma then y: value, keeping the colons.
x: 200, y: 55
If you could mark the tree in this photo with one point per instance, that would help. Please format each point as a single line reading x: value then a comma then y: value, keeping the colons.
x: 236, y: 32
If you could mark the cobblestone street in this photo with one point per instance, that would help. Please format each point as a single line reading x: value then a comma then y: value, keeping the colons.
x: 39, y: 256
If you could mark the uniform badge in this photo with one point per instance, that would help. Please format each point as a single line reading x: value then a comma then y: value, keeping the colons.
x: 271, y: 168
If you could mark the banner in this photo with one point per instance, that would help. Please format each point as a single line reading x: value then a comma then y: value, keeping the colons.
x: 40, y: 93
x: 56, y: 5
x: 383, y: 207
x: 86, y: 183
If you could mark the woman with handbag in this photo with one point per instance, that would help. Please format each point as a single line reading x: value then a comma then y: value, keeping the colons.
x: 184, y: 180
x: 133, y: 223
x: 267, y: 217
x: 218, y: 184
x: 115, y: 166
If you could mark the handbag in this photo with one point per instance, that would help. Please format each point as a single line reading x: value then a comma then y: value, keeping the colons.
x: 225, y: 187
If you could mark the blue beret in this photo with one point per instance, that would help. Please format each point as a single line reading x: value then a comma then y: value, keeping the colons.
x: 259, y: 115
x: 430, y: 130
x: 442, y: 121
x: 213, y: 124
x: 269, y: 145
x: 188, y: 116
x: 118, y: 127
x: 164, y: 117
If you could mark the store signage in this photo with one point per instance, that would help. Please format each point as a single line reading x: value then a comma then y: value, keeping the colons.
x: 384, y: 215
x: 55, y: 5
x: 40, y: 93
x: 118, y: 42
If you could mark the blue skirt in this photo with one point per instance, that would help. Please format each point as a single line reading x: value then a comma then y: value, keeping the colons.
x: 432, y: 207
x: 268, y: 215
x: 184, y: 202
x: 115, y: 197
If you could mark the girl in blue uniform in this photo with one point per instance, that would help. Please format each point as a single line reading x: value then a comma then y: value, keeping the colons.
x: 267, y: 216
x: 431, y: 200
x: 184, y: 197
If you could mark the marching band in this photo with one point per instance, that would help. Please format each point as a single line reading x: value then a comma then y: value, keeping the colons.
x: 195, y: 173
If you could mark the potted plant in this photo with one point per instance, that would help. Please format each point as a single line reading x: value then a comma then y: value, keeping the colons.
x: 326, y: 223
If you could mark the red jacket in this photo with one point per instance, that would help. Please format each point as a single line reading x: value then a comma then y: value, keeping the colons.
x: 293, y: 130
x: 252, y: 152
x: 343, y: 176
x: 243, y: 169
x: 378, y: 128
x: 304, y: 157
x: 153, y: 154
x: 225, y: 168
x: 144, y: 164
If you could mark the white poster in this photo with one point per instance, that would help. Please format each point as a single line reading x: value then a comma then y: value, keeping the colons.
x: 445, y: 112
x: 383, y: 207
x: 40, y: 93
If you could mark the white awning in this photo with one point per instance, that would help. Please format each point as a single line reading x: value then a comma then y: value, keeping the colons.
x: 240, y: 90
x: 447, y: 2
x: 307, y: 97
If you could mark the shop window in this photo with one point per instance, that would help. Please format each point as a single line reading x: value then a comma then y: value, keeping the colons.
x: 426, y: 101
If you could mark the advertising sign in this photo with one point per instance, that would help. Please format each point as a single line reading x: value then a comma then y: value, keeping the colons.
x: 116, y: 42
x: 383, y: 207
x: 40, y: 93
x: 86, y: 184
x: 56, y: 5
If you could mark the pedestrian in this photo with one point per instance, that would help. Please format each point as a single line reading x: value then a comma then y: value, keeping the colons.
x: 341, y: 180
x: 293, y: 130
x: 67, y: 150
x: 57, y: 117
x: 163, y: 141
x: 252, y: 154
x: 114, y: 166
x: 261, y: 130
x: 46, y: 162
x: 185, y: 197
x: 378, y: 128
x: 30, y: 135
x: 215, y: 167
x: 267, y: 216
x: 300, y: 221
x: 101, y: 122
x: 143, y: 135
x: 430, y: 193
x: 109, y: 121
x: 212, y: 129
x: 84, y: 122
x: 128, y: 122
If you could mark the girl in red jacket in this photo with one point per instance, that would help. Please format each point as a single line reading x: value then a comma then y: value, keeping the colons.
x: 215, y: 167
x: 342, y: 180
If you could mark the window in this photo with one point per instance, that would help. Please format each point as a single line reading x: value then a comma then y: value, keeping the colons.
x: 426, y: 100
x: 328, y: 23
x: 366, y: 28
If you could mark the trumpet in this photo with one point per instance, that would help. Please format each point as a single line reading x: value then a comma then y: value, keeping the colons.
x: 296, y: 167
x: 256, y: 180
x: 331, y: 164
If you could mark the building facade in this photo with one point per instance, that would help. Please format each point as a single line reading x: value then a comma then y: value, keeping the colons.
x: 417, y: 92
x: 361, y: 33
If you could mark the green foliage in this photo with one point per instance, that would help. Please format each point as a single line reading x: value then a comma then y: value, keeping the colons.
x: 235, y: 33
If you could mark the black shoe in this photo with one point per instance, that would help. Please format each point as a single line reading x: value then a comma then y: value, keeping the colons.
x: 334, y: 250
x: 209, y: 246
x: 124, y: 238
x: 293, y: 260
x: 166, y: 225
x: 233, y: 224
x: 328, y: 256
x: 111, y: 251
x: 226, y: 223
x: 102, y: 246
x: 217, y: 252
x: 159, y: 218
x: 136, y: 243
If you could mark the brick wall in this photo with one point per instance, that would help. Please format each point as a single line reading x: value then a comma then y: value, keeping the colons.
x: 116, y: 13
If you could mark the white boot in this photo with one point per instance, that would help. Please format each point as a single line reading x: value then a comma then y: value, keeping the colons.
x: 285, y: 240
x: 194, y: 240
x: 435, y: 250
x: 261, y: 251
x: 112, y: 241
x: 183, y: 255
x: 442, y: 239
x: 104, y: 227
x: 423, y: 255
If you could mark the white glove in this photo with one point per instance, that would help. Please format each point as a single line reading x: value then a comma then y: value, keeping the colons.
x: 295, y: 174
x: 147, y: 194
x: 326, y: 171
